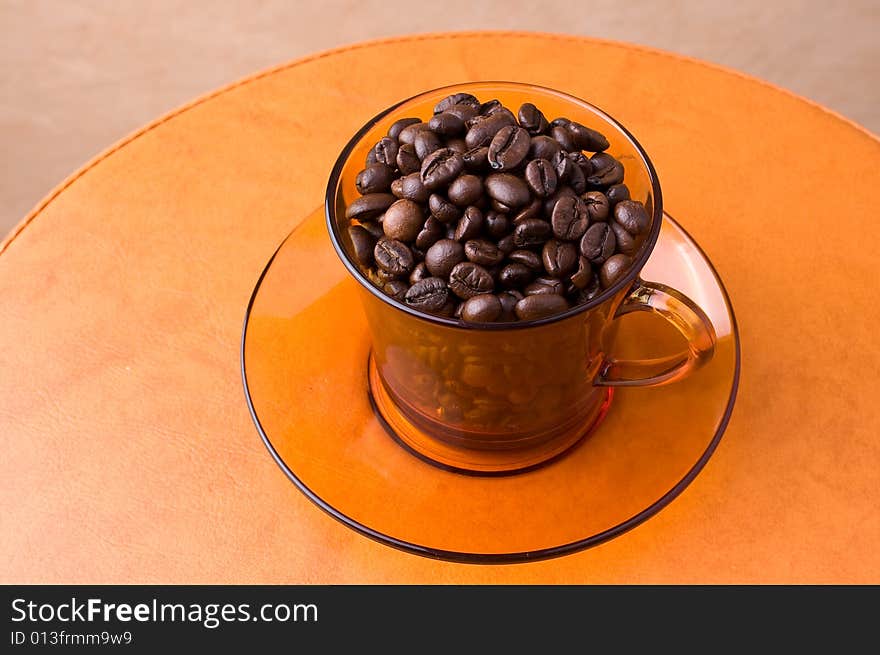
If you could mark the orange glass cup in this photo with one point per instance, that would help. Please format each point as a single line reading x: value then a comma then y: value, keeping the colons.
x: 495, y: 398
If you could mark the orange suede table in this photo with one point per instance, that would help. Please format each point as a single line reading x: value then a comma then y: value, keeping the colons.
x: 129, y: 456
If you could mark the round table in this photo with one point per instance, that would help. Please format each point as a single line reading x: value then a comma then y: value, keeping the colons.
x: 129, y: 453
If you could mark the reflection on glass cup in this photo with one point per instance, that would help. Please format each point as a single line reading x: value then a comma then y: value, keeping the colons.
x: 501, y: 397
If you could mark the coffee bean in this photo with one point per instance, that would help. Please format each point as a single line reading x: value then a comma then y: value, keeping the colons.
x: 420, y: 272
x: 483, y: 131
x: 632, y: 216
x: 545, y: 147
x: 527, y: 258
x: 585, y: 138
x: 464, y: 112
x: 375, y: 178
x: 409, y: 133
x: 374, y: 228
x: 443, y: 210
x: 598, y: 206
x: 483, y: 308
x: 570, y: 218
x: 457, y: 145
x: 363, y: 243
x: 483, y: 252
x: 564, y: 138
x: 531, y: 118
x: 386, y: 151
x: 544, y: 285
x: 582, y: 277
x: 385, y: 277
x: 456, y: 99
x: 467, y: 280
x: 410, y: 187
x: 613, y: 269
x: 428, y: 295
x: 470, y: 225
x: 507, y: 189
x: 432, y: 231
x: 541, y: 177
x: 540, y: 306
x: 626, y: 243
x: 496, y: 224
x: 559, y: 257
x: 508, y: 300
x: 403, y: 220
x: 490, y: 106
x: 576, y: 179
x: 371, y: 157
x: 426, y: 142
x: 514, y: 275
x: 507, y: 244
x: 418, y: 253
x: 393, y: 257
x: 447, y: 124
x: 531, y: 232
x: 477, y: 159
x: 440, y: 168
x: 532, y: 210
x: 396, y: 289
x: 369, y: 206
x: 398, y: 125
x: 562, y: 121
x: 582, y: 161
x: 443, y: 256
x: 562, y: 191
x: 616, y: 193
x: 407, y: 159
x: 606, y: 170
x: 598, y: 243
x: 508, y: 148
x: 465, y: 190
x: 563, y: 169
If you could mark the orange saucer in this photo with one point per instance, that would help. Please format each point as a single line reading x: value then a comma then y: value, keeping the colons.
x: 304, y: 359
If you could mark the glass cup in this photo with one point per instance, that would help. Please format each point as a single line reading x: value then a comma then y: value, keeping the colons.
x: 495, y: 398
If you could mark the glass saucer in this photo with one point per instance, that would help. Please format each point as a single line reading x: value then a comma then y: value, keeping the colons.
x: 304, y: 355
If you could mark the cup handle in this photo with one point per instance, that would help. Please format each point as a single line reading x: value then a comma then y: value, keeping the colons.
x: 684, y: 314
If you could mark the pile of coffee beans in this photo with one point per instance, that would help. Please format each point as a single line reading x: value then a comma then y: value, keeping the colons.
x: 489, y: 216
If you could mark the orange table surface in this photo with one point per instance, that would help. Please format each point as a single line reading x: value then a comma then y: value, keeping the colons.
x: 129, y: 455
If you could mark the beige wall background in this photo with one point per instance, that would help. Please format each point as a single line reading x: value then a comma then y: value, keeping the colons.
x: 79, y: 74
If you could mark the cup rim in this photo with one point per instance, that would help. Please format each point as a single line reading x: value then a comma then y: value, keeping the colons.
x: 632, y: 274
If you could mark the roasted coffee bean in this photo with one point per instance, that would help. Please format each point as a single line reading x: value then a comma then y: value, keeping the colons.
x: 393, y: 257
x: 499, y: 207
x: 403, y: 220
x: 440, y: 168
x: 410, y: 187
x: 371, y: 157
x: 540, y: 306
x: 484, y: 308
x: 507, y: 189
x: 564, y: 138
x: 598, y: 206
x: 598, y: 243
x: 613, y: 269
x: 576, y: 179
x: 626, y: 243
x: 467, y: 280
x: 483, y: 252
x: 396, y: 289
x: 420, y: 272
x: 545, y: 147
x: 527, y: 258
x: 418, y: 253
x: 632, y: 216
x: 563, y: 169
x: 369, y: 206
x: 428, y: 295
x: 559, y: 257
x: 532, y: 210
x: 409, y: 133
x: 490, y: 106
x: 484, y: 130
x: 582, y: 161
x: 531, y: 232
x: 465, y: 190
x: 375, y: 178
x: 616, y: 193
x: 457, y: 145
x: 562, y: 191
x: 432, y: 231
x: 374, y: 228
x: 407, y: 159
x: 426, y: 142
x: 469, y: 225
x: 514, y: 276
x: 570, y: 218
x: 443, y: 210
x: 477, y: 159
x: 606, y: 170
x: 508, y: 301
x: 363, y: 243
x: 562, y: 121
x: 398, y: 125
x: 443, y: 256
x: 508, y: 148
x: 585, y: 138
x: 385, y: 277
x: 464, y: 112
x: 545, y: 285
x: 531, y: 118
x: 582, y: 277
x: 386, y: 151
x: 450, y: 307
x: 447, y: 124
x: 507, y: 244
x: 496, y: 224
x: 456, y: 99
x: 541, y: 177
